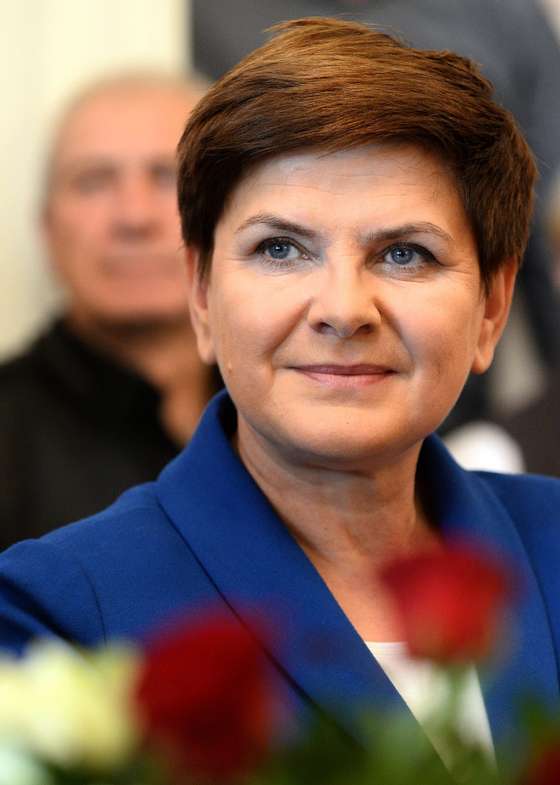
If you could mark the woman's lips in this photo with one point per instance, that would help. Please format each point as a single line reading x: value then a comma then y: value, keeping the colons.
x: 345, y: 375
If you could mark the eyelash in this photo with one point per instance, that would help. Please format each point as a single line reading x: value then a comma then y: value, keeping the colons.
x: 287, y: 264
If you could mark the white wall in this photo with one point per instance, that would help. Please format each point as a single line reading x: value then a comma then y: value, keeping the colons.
x: 48, y: 48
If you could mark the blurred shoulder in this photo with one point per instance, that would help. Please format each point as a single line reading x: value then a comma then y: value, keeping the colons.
x: 17, y: 371
x: 22, y: 403
x: 23, y: 377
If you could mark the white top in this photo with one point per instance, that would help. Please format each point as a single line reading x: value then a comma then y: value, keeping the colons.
x: 424, y: 689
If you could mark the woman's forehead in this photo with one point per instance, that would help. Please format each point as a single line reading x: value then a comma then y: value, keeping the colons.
x: 372, y: 158
x: 361, y: 184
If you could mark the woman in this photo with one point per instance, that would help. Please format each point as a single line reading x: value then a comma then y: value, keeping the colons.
x: 354, y: 213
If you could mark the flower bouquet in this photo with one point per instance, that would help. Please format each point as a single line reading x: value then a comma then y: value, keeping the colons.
x: 200, y: 705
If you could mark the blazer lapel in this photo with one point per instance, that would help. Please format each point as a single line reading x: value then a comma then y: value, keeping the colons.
x: 466, y: 508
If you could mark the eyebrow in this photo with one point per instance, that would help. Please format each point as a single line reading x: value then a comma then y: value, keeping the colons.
x: 392, y: 233
x: 277, y: 223
x: 395, y: 232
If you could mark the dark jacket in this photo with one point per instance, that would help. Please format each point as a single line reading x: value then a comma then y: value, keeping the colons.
x: 76, y: 429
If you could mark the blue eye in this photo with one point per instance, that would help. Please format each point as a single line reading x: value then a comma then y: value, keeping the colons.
x: 280, y: 253
x: 279, y: 249
x: 406, y: 255
x: 402, y: 254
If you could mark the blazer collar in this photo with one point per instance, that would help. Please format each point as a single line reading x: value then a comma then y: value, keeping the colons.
x: 253, y: 561
x: 466, y: 507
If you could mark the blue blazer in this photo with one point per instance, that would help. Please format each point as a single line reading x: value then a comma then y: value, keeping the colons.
x: 204, y: 534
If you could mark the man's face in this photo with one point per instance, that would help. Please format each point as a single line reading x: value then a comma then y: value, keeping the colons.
x: 111, y: 222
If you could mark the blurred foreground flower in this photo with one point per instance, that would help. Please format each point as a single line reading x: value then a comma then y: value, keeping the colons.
x: 18, y: 767
x: 68, y: 707
x: 200, y: 706
x: 205, y: 694
x: 449, y: 601
x: 545, y: 767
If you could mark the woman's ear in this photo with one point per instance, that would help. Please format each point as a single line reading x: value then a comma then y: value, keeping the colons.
x: 198, y: 306
x: 496, y: 310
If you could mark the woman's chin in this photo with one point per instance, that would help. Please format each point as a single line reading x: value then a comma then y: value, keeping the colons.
x: 347, y: 449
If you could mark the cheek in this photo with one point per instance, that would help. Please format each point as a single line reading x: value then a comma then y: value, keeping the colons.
x: 74, y: 232
x: 250, y: 320
x: 441, y: 335
x: 168, y: 218
x: 235, y: 333
x: 82, y: 223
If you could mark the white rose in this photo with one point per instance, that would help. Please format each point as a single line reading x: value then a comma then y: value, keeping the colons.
x: 68, y: 706
x: 18, y: 768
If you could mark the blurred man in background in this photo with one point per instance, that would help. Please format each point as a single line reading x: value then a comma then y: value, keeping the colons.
x: 114, y: 387
x: 536, y: 428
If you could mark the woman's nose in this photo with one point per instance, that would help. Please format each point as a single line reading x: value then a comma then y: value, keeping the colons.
x: 344, y: 304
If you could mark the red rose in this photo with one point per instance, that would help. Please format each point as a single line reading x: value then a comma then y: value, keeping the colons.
x: 545, y: 769
x: 448, y: 601
x: 204, y: 696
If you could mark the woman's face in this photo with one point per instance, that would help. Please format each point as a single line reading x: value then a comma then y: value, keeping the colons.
x: 344, y: 304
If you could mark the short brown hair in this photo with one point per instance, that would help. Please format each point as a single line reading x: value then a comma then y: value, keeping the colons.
x: 333, y: 84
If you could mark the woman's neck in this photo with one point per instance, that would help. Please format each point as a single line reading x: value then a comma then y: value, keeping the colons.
x: 369, y: 511
x: 348, y: 522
